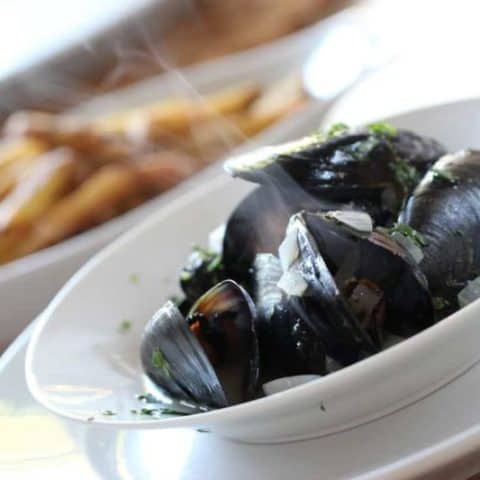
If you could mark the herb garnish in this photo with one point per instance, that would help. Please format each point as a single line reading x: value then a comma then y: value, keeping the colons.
x: 147, y: 397
x: 90, y: 419
x: 406, y: 175
x: 444, y: 176
x: 133, y: 278
x: 459, y: 232
x: 322, y: 407
x: 160, y: 362
x: 337, y: 129
x: 125, y: 326
x: 108, y: 413
x: 214, y: 261
x: 439, y: 303
x: 382, y: 128
x: 409, y: 232
x: 153, y: 412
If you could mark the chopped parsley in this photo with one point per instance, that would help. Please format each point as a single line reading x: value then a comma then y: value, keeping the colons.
x: 444, y: 176
x: 159, y: 361
x: 203, y: 430
x: 382, y: 128
x: 337, y: 129
x: 322, y: 407
x: 409, y: 232
x: 406, y: 175
x: 153, y: 412
x: 90, y: 419
x: 133, y: 278
x: 147, y: 397
x: 439, y: 303
x: 125, y: 326
x: 459, y: 233
x: 108, y: 413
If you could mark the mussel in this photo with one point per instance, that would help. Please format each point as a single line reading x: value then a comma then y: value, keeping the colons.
x: 362, y: 277
x: 210, y: 358
x: 288, y: 346
x: 378, y: 164
x: 258, y: 223
x: 445, y: 210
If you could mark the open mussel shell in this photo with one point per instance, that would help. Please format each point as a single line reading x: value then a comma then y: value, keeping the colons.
x: 381, y: 282
x: 445, y: 210
x: 258, y: 223
x: 288, y: 346
x: 320, y: 304
x: 209, y: 359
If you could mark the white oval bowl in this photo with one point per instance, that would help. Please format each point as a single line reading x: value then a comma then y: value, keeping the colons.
x: 79, y: 365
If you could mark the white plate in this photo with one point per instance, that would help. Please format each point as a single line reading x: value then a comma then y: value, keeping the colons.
x: 78, y: 365
x: 59, y: 262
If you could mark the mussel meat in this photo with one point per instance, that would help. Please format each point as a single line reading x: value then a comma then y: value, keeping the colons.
x: 211, y: 358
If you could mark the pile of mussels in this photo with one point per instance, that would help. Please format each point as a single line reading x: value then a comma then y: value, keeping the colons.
x: 353, y: 239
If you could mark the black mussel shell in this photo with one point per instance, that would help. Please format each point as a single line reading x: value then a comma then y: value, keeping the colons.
x: 258, y: 223
x: 445, y: 210
x: 418, y: 151
x: 288, y: 346
x: 203, y: 270
x: 209, y: 359
x: 322, y: 306
x: 381, y: 282
x: 376, y: 167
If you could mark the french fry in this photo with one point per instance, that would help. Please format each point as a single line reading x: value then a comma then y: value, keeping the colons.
x: 38, y: 189
x: 177, y: 115
x: 14, y: 150
x: 96, y: 199
x: 161, y: 171
x: 61, y: 130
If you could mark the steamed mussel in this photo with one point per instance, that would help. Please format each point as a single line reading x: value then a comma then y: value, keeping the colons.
x: 344, y: 247
x: 444, y: 209
x: 211, y: 357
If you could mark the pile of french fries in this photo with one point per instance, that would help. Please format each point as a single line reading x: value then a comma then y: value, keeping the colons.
x: 61, y: 175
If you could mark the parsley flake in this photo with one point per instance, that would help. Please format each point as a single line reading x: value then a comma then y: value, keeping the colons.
x: 406, y: 175
x: 439, y: 303
x: 159, y: 361
x: 133, y: 278
x: 108, y: 413
x: 125, y: 326
x: 382, y: 128
x: 444, y: 176
x: 322, y: 407
x: 337, y: 129
x: 409, y: 232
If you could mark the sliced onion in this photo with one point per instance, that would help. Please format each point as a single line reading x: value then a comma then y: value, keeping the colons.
x: 409, y: 245
x: 292, y: 283
x: 215, y: 239
x: 358, y: 221
x: 288, y: 250
x: 470, y: 293
x: 285, y: 383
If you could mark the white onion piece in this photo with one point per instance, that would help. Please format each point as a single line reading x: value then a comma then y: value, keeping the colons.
x: 288, y: 250
x: 215, y: 239
x: 470, y: 293
x: 359, y: 221
x: 292, y: 283
x: 409, y: 245
x: 281, y: 384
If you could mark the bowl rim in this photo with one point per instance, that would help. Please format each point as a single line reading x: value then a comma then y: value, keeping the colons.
x: 391, y: 355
